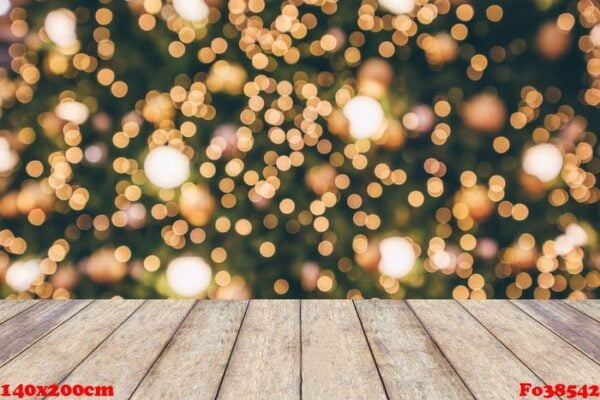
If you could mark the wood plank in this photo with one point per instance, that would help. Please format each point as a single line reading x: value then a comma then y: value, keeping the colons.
x: 411, y: 365
x: 336, y: 360
x: 10, y: 308
x: 125, y: 357
x: 32, y: 324
x: 591, y: 308
x: 265, y: 362
x: 488, y: 369
x: 52, y: 358
x: 570, y: 324
x: 550, y: 357
x: 194, y: 362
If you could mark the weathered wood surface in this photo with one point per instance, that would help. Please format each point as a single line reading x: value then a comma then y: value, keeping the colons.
x: 545, y: 353
x: 266, y: 357
x: 301, y: 349
x: 567, y: 323
x: 9, y: 309
x: 193, y: 364
x: 487, y: 367
x: 32, y: 324
x: 124, y: 358
x: 411, y: 365
x: 53, y: 357
x: 589, y: 308
x: 336, y: 360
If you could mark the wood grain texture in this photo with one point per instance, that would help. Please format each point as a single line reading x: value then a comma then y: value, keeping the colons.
x: 568, y: 323
x: 125, y: 357
x: 32, y: 324
x: 265, y: 363
x: 194, y: 362
x: 329, y: 370
x: 301, y: 349
x: 411, y: 365
x: 546, y: 354
x: 50, y: 359
x: 488, y: 369
x: 589, y: 308
x: 10, y: 308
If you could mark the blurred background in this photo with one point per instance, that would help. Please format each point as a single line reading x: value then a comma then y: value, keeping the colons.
x: 299, y: 149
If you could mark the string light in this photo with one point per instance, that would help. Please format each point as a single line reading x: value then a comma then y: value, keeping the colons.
x: 544, y: 161
x: 8, y: 158
x: 22, y: 274
x: 166, y: 167
x: 191, y: 10
x: 5, y: 6
x: 365, y: 116
x: 397, y: 257
x: 398, y: 6
x: 61, y: 27
x: 188, y: 276
x: 72, y: 111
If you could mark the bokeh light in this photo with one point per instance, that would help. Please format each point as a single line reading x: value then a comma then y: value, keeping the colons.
x: 188, y: 276
x: 229, y: 149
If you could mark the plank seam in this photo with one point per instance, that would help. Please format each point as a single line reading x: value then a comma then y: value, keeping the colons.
x: 502, y: 343
x: 20, y: 312
x: 167, y: 344
x: 45, y: 334
x: 370, y: 350
x: 581, y: 311
x: 437, y: 345
x: 553, y: 332
x: 237, y: 335
x: 300, y: 344
x: 98, y: 345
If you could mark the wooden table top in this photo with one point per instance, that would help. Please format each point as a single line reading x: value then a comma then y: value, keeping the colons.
x: 315, y: 349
